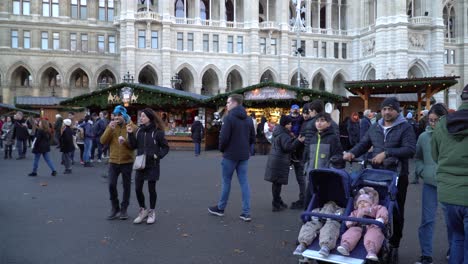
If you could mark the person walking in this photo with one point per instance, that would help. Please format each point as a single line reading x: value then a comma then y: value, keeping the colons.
x: 237, y: 133
x: 277, y: 168
x: 57, y: 129
x: 120, y: 161
x: 296, y: 156
x: 87, y: 127
x: 425, y: 168
x: 391, y: 138
x: 148, y: 140
x: 41, y: 147
x: 66, y: 145
x: 21, y: 135
x: 197, y: 135
x: 8, y: 139
x: 450, y: 152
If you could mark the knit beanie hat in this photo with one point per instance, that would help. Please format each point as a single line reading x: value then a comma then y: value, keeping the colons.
x: 464, y: 94
x: 285, y: 120
x: 391, y: 102
x: 363, y: 197
x: 368, y: 194
x: 120, y: 110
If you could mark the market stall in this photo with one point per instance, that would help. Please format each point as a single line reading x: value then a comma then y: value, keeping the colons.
x: 175, y: 107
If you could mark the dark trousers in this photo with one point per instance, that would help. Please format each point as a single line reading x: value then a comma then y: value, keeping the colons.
x: 81, y: 146
x: 276, y: 191
x: 300, y: 178
x: 139, y: 181
x: 114, y: 171
x: 21, y: 146
x: 399, y: 215
x: 67, y: 160
x: 8, y: 150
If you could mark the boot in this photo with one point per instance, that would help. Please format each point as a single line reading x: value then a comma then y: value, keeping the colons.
x: 123, y: 213
x: 9, y: 154
x: 114, y: 213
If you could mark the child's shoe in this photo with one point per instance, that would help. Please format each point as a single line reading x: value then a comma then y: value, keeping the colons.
x: 299, y: 249
x: 372, y: 256
x: 343, y: 249
x: 324, y: 251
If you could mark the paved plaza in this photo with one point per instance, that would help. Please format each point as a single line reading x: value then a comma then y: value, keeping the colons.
x: 62, y: 219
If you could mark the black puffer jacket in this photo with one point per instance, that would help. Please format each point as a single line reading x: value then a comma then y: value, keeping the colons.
x: 21, y: 130
x: 323, y: 147
x: 309, y: 130
x: 197, y: 131
x: 399, y: 142
x: 66, y: 140
x: 277, y: 168
x: 237, y: 134
x: 42, y: 142
x: 150, y: 141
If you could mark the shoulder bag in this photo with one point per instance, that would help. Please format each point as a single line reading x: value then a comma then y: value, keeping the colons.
x: 140, y: 160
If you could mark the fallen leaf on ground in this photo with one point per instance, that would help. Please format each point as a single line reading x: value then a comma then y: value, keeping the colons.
x: 43, y: 183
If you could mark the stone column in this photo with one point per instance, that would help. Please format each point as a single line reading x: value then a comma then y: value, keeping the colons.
x: 166, y: 62
x: 329, y: 16
x: 222, y: 13
x: 308, y: 16
x: 197, y: 12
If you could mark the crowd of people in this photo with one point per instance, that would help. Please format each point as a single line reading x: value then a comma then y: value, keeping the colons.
x: 302, y: 141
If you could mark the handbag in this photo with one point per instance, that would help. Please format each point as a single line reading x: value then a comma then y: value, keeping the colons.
x: 140, y: 162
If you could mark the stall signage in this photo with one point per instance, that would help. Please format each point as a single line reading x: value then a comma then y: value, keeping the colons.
x: 269, y: 93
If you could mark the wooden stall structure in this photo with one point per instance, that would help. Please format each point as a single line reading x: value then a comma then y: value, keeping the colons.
x: 48, y: 107
x: 177, y: 108
x: 424, y: 88
x: 8, y: 109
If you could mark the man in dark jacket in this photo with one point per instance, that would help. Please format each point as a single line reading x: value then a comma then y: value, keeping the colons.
x: 237, y: 133
x: 21, y: 135
x: 296, y: 156
x: 66, y: 145
x: 390, y: 137
x: 450, y: 152
x: 197, y: 134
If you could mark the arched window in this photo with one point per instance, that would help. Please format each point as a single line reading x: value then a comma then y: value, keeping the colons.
x: 229, y: 11
x: 449, y: 20
x: 179, y: 8
x: 79, y: 79
x: 205, y: 10
x: 21, y: 77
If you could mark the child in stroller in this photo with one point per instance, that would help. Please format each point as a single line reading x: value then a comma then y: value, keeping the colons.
x: 366, y: 206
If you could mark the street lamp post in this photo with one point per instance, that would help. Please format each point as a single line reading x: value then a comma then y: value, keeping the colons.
x: 298, y: 27
x: 128, y: 78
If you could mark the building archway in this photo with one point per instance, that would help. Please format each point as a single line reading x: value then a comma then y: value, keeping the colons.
x: 268, y: 76
x: 51, y: 80
x: 79, y: 82
x: 21, y: 77
x: 318, y: 82
x: 304, y: 80
x: 210, y: 83
x: 148, y: 76
x: 415, y: 72
x: 234, y: 81
x: 338, y: 85
x: 187, y: 81
x: 105, y: 79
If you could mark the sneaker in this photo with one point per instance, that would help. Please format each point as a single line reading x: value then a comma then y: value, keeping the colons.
x: 82, y: 162
x: 372, y: 256
x: 114, y: 213
x: 151, y: 217
x: 32, y: 174
x: 214, y: 210
x: 324, y: 251
x: 297, y: 205
x: 299, y: 249
x: 245, y: 217
x: 141, y: 216
x: 343, y: 250
x: 283, y: 205
x: 123, y: 213
x: 54, y: 173
x: 99, y: 160
x: 69, y: 171
x: 424, y: 260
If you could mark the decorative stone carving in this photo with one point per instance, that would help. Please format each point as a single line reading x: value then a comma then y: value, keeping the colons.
x: 390, y: 73
x: 368, y: 47
x: 417, y: 41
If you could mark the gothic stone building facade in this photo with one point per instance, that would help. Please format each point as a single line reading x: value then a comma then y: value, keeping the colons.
x: 69, y: 47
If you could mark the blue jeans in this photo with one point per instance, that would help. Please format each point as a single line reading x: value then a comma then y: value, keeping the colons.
x: 458, y: 224
x: 21, y: 146
x: 88, y: 144
x: 228, y: 167
x: 252, y: 149
x: 197, y: 148
x: 37, y: 156
x: 429, y: 211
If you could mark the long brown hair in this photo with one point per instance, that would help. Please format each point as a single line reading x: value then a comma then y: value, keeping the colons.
x: 154, y: 118
x: 44, y: 125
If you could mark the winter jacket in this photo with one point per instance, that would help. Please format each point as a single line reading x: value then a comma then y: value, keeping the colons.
x: 237, y: 134
x: 353, y: 131
x: 88, y: 129
x: 8, y: 131
x: 66, y: 140
x: 151, y: 142
x: 450, y: 151
x: 309, y: 130
x: 261, y: 134
x: 119, y: 153
x: 399, y: 142
x: 58, y: 125
x: 42, y: 142
x: 279, y: 159
x: 21, y: 130
x: 364, y: 125
x: 197, y: 131
x: 296, y: 124
x: 425, y: 166
x: 99, y: 127
x: 323, y: 146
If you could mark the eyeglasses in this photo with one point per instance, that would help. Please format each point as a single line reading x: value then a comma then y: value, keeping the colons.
x: 433, y: 120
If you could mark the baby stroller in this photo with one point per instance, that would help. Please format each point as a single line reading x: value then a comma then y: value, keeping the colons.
x: 340, y: 187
